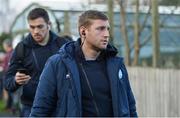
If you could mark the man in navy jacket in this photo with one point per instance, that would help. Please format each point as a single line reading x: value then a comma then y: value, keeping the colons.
x: 38, y: 46
x: 85, y: 78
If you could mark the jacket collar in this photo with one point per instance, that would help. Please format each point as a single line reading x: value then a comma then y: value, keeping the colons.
x: 109, y: 52
x: 29, y: 41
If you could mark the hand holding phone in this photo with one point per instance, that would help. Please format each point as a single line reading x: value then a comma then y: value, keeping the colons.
x: 22, y: 76
x: 22, y: 70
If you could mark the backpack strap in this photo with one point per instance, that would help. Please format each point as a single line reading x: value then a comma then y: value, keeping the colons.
x: 20, y: 52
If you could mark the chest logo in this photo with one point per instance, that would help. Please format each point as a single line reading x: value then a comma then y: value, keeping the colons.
x: 120, y: 74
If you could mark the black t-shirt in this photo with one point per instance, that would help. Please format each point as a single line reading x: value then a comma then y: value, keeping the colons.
x: 99, y: 82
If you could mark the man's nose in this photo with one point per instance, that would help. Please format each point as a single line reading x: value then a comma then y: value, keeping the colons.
x: 36, y: 30
x: 106, y: 33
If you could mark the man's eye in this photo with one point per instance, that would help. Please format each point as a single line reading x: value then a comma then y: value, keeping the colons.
x: 32, y: 27
x: 40, y: 26
x: 100, y: 28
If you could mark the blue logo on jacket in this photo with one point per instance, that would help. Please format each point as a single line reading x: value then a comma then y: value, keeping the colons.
x: 120, y: 74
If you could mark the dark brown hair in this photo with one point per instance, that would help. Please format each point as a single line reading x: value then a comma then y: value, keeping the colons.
x: 38, y: 13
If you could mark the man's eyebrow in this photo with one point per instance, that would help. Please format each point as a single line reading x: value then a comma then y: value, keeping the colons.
x: 31, y: 26
x: 36, y: 25
x: 103, y: 27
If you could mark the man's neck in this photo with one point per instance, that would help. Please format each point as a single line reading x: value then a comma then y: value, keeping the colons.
x: 89, y: 53
x: 45, y: 41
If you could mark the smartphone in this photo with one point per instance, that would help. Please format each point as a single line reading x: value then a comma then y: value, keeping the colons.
x: 22, y: 70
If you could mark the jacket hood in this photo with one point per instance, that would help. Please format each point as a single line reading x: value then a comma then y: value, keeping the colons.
x: 70, y: 48
x: 29, y: 41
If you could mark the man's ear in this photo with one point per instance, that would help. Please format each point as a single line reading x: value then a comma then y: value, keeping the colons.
x: 82, y: 31
x: 49, y: 25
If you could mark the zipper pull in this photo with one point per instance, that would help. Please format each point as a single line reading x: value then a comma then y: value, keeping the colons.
x: 68, y: 76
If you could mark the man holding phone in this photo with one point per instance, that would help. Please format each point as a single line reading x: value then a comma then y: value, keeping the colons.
x: 38, y: 46
x: 22, y: 76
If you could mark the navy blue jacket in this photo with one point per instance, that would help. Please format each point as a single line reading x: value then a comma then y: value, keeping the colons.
x: 59, y: 89
x: 33, y: 62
